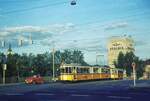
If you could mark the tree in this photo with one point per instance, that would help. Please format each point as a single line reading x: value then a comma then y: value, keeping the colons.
x: 67, y: 56
x: 125, y: 61
x: 39, y: 64
x: 121, y: 61
x: 11, y: 65
x: 129, y: 59
x: 73, y: 56
x: 25, y: 65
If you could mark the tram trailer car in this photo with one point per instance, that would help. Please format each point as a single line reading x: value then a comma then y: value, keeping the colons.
x: 74, y: 72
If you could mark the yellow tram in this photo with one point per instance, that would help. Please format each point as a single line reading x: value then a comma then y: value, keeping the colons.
x: 75, y: 72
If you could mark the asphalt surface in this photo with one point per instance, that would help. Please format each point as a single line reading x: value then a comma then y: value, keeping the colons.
x: 119, y: 90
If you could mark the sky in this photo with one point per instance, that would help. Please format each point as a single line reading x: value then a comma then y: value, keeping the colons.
x: 86, y: 26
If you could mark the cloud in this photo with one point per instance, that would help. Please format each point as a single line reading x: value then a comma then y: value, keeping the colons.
x: 4, y: 34
x: 116, y: 25
x: 61, y: 28
x: 36, y: 31
x: 140, y: 43
x: 23, y: 29
x: 47, y: 42
x: 83, y: 45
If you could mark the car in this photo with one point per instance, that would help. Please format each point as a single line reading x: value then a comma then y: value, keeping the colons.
x: 36, y: 79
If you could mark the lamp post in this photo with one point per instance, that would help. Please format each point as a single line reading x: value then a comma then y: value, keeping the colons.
x: 18, y: 73
x: 53, y: 52
x: 4, y: 68
x: 53, y: 66
x: 4, y: 75
x: 134, y: 73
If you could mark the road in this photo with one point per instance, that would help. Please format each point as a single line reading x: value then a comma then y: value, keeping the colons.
x: 118, y: 90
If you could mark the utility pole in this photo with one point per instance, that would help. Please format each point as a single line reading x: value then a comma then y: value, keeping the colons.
x: 134, y: 73
x: 18, y: 74
x: 53, y: 66
x: 4, y: 69
x: 53, y: 63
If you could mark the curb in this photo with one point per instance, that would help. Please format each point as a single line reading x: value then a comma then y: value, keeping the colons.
x: 11, y: 84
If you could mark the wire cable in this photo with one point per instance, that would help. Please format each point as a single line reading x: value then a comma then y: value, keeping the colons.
x: 32, y: 8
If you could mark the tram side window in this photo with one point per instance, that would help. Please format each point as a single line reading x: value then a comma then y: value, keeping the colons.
x: 86, y: 70
x: 68, y: 70
x: 78, y: 70
x: 82, y: 70
x: 95, y: 70
x: 104, y: 70
x: 108, y: 70
x: 114, y: 71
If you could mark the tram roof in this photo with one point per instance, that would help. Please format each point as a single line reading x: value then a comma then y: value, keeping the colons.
x: 78, y: 65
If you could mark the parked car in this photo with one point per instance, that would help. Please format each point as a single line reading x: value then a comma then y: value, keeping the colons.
x: 36, y: 79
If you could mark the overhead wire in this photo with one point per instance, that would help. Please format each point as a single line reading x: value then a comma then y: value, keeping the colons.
x: 32, y: 8
x: 87, y: 23
x: 21, y: 1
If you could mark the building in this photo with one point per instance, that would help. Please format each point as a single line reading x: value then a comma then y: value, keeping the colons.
x: 119, y: 44
x: 146, y: 74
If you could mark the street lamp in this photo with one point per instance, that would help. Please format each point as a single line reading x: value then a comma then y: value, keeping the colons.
x: 4, y: 69
x: 134, y: 73
x: 53, y: 66
x: 53, y: 52
x: 18, y: 73
x: 4, y: 60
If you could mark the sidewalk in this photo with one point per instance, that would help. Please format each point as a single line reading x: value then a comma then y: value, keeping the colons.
x: 11, y: 84
x: 141, y: 85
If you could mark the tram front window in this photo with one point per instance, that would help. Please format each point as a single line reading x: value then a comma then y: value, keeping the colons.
x: 62, y: 70
x: 120, y: 72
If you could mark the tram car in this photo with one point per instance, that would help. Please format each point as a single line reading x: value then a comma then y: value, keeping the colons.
x: 75, y: 72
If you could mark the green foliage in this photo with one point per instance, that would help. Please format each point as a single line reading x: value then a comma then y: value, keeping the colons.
x: 1, y: 70
x: 29, y: 64
x: 74, y: 56
x: 121, y: 61
x: 125, y: 61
